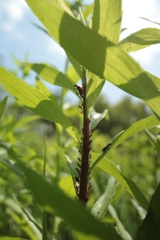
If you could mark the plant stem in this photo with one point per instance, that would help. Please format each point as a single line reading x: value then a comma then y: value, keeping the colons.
x: 85, y: 151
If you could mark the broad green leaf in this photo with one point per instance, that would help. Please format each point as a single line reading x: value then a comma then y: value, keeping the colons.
x: 101, y: 206
x: 65, y: 7
x: 71, y: 211
x: 72, y: 74
x: 109, y: 167
x: 110, y: 62
x: 105, y: 60
x: 149, y: 229
x: 33, y: 99
x: 2, y: 106
x: 107, y: 16
x: 136, y: 127
x: 155, y: 79
x: 94, y: 88
x: 107, y: 22
x: 42, y: 88
x: 51, y: 75
x: 122, y: 231
x: 141, y: 39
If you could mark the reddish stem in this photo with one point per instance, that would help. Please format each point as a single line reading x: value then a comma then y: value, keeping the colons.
x: 85, y: 152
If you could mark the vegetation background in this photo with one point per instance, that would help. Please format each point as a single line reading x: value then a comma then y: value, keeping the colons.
x: 44, y: 146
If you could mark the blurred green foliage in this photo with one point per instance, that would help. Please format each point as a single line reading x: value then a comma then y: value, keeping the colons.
x: 23, y: 136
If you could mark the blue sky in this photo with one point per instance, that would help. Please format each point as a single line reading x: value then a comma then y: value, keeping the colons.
x: 18, y: 36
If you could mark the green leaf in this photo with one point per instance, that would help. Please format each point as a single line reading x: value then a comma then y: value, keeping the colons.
x: 107, y: 22
x: 71, y: 211
x: 141, y: 39
x: 109, y: 167
x: 149, y: 229
x: 107, y: 17
x: 33, y: 99
x: 109, y: 62
x: 51, y: 75
x: 105, y: 60
x: 155, y: 79
x: 43, y: 89
x: 101, y: 206
x: 72, y: 74
x: 94, y: 88
x: 136, y: 127
x: 2, y: 106
x: 64, y: 6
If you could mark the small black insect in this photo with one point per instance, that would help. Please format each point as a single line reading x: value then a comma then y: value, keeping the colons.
x: 107, y: 147
x: 79, y: 90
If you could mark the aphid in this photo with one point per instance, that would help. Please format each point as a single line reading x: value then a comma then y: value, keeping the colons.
x: 79, y: 90
x: 77, y: 179
x: 107, y: 147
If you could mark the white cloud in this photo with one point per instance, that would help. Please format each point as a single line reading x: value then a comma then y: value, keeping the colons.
x: 14, y: 9
x: 12, y: 12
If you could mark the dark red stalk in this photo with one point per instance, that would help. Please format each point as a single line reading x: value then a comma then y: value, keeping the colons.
x: 83, y: 167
